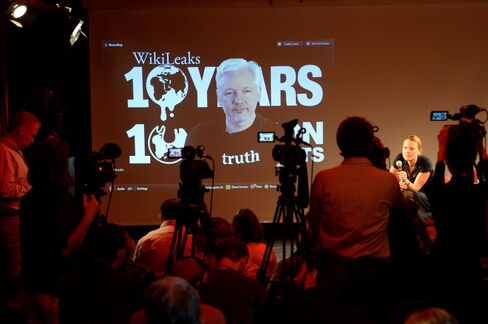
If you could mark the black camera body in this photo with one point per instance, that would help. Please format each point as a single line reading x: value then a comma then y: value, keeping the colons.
x: 192, y: 172
x: 292, y: 164
x: 99, y: 169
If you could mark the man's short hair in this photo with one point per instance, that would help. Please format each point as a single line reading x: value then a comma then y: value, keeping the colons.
x: 170, y: 208
x: 232, y: 248
x: 355, y: 137
x: 171, y: 300
x: 23, y: 118
x: 234, y: 64
x: 109, y: 240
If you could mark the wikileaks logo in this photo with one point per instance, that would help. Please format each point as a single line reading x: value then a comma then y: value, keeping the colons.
x: 155, y: 58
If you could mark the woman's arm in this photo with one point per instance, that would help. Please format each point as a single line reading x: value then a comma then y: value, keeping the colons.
x: 419, y: 182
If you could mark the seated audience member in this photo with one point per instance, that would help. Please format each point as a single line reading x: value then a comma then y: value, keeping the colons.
x: 220, y: 228
x: 431, y: 316
x: 170, y: 300
x: 153, y: 249
x: 101, y: 292
x: 319, y: 296
x: 240, y: 298
x: 193, y: 271
x: 52, y: 229
x: 414, y: 173
x: 458, y: 209
x: 247, y: 227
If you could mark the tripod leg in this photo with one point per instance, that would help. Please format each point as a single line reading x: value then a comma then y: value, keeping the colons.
x: 174, y: 248
x: 269, y: 246
x: 302, y: 228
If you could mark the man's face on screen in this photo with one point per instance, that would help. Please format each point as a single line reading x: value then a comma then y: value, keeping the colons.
x: 238, y: 95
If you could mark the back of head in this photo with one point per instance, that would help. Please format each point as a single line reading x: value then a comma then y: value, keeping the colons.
x: 170, y: 208
x: 247, y: 227
x: 220, y: 229
x: 49, y: 165
x: 461, y: 149
x: 171, y: 300
x: 431, y: 316
x: 189, y: 269
x: 232, y: 248
x: 355, y: 137
x: 108, y: 241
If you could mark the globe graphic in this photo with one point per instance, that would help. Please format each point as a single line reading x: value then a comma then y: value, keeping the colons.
x: 167, y: 86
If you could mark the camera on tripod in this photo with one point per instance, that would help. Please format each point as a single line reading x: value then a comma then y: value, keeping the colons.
x: 192, y: 172
x: 470, y: 129
x: 291, y: 160
x: 467, y: 120
x: 99, y: 169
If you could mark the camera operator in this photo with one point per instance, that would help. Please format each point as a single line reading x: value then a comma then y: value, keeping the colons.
x: 350, y: 209
x: 458, y: 209
x: 52, y: 229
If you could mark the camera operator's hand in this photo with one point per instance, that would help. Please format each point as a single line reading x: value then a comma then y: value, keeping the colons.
x: 442, y: 139
x: 91, y: 206
x: 90, y: 210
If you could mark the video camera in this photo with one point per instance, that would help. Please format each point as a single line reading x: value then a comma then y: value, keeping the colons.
x: 291, y: 160
x: 467, y: 119
x: 99, y: 169
x: 470, y: 129
x: 192, y: 172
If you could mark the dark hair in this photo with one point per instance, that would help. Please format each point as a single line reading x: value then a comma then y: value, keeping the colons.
x: 108, y: 241
x: 171, y: 300
x: 170, y: 208
x: 247, y: 227
x: 461, y: 149
x: 355, y: 137
x: 220, y: 228
x: 232, y: 248
x: 189, y: 268
x: 49, y: 165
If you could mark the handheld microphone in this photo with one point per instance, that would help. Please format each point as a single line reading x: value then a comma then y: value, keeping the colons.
x: 399, y: 165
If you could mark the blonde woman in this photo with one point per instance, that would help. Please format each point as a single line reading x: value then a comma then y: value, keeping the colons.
x: 414, y: 172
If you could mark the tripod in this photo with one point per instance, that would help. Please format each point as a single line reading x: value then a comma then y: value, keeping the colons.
x: 289, y: 210
x: 192, y: 217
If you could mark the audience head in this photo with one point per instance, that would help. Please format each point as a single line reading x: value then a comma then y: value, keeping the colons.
x: 24, y: 128
x: 170, y: 209
x: 220, y: 229
x: 190, y: 269
x: 171, y: 300
x: 110, y: 243
x: 50, y: 164
x: 431, y: 316
x: 355, y: 137
x: 246, y: 226
x: 232, y: 250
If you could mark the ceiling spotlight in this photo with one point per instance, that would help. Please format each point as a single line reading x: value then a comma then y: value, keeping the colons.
x: 76, y: 32
x: 16, y: 23
x: 18, y: 10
